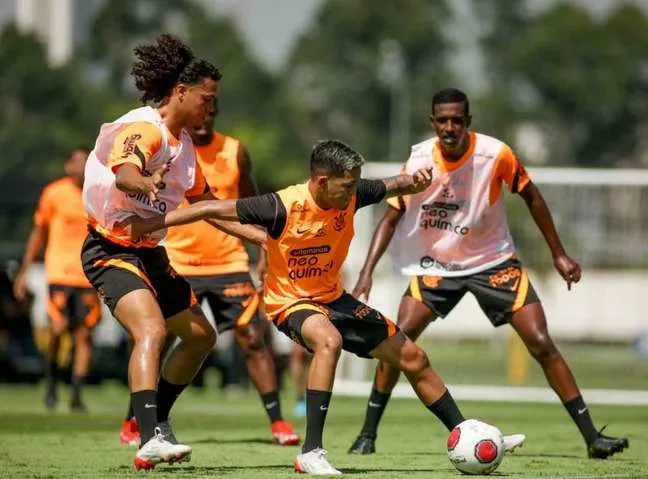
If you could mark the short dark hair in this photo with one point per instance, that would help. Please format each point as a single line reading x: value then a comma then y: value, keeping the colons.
x: 161, y: 66
x: 81, y: 148
x: 334, y: 157
x: 451, y: 95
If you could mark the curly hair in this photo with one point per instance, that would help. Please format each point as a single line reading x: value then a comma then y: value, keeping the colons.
x: 161, y: 66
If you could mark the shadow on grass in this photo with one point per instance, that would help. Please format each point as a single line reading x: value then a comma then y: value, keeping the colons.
x: 179, y: 469
x: 243, y: 440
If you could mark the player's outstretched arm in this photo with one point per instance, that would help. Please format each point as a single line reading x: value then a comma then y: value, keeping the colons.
x: 381, y: 238
x: 202, y: 210
x: 244, y: 232
x: 569, y: 269
x: 404, y: 184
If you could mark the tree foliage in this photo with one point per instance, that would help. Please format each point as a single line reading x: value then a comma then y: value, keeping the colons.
x: 334, y: 75
x: 584, y: 80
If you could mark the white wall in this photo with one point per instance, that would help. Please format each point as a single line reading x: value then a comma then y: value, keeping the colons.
x: 605, y: 305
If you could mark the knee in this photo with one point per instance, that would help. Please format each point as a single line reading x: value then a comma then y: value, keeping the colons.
x: 542, y: 348
x: 151, y: 336
x: 413, y: 359
x: 82, y: 336
x: 250, y: 340
x: 329, y: 343
x: 205, y: 339
x: 58, y: 328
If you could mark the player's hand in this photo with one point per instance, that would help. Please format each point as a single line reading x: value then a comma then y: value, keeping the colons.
x: 421, y: 179
x: 154, y: 183
x: 134, y: 227
x: 20, y: 286
x: 363, y: 287
x: 569, y: 269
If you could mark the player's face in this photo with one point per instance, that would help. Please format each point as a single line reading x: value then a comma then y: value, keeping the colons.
x: 340, y: 189
x: 450, y: 123
x: 202, y: 134
x: 75, y: 165
x: 197, y: 105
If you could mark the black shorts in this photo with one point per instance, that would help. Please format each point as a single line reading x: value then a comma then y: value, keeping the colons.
x: 362, y: 327
x: 115, y: 270
x: 232, y: 298
x: 500, y: 291
x: 73, y: 307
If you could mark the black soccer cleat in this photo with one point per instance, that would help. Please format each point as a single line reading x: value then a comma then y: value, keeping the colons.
x: 363, y: 445
x: 51, y: 399
x: 605, y: 446
x: 77, y: 405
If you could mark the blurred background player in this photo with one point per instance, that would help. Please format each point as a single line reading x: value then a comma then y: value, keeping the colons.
x: 144, y: 164
x: 217, y: 267
x: 72, y: 304
x: 299, y: 362
x: 454, y: 238
x: 310, y: 228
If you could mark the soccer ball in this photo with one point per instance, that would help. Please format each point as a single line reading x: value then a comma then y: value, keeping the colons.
x: 475, y: 447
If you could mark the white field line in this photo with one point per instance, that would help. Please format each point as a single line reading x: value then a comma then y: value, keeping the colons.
x: 503, y: 393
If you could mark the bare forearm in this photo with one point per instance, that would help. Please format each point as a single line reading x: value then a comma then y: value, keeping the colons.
x: 381, y: 239
x: 543, y: 219
x: 402, y: 185
x: 35, y: 244
x: 202, y: 210
x: 130, y: 180
x: 250, y: 233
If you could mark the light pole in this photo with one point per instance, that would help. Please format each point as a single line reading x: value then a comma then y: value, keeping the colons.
x: 392, y: 72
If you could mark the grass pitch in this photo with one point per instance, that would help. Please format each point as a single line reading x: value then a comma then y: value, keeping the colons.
x: 231, y: 439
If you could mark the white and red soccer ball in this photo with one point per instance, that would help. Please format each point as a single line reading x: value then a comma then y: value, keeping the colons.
x: 475, y: 447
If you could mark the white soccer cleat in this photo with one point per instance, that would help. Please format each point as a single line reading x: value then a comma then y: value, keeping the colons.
x: 513, y: 441
x: 167, y: 431
x: 314, y: 462
x: 158, y: 450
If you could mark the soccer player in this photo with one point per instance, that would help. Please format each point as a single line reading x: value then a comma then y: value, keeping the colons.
x: 144, y: 164
x: 72, y: 304
x: 216, y: 265
x: 453, y: 238
x: 310, y: 228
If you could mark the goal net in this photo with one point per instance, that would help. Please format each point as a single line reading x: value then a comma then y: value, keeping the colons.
x: 600, y: 325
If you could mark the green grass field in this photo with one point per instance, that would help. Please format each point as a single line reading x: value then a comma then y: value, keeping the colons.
x: 595, y: 365
x: 231, y: 439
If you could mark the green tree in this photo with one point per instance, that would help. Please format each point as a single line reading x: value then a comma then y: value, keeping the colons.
x: 582, y: 80
x: 46, y: 111
x: 336, y: 75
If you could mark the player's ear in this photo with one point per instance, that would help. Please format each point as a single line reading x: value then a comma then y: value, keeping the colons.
x: 320, y: 180
x: 468, y: 121
x: 180, y: 90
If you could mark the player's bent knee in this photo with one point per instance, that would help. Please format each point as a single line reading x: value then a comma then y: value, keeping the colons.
x: 205, y: 339
x: 250, y: 339
x: 413, y: 359
x: 330, y: 342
